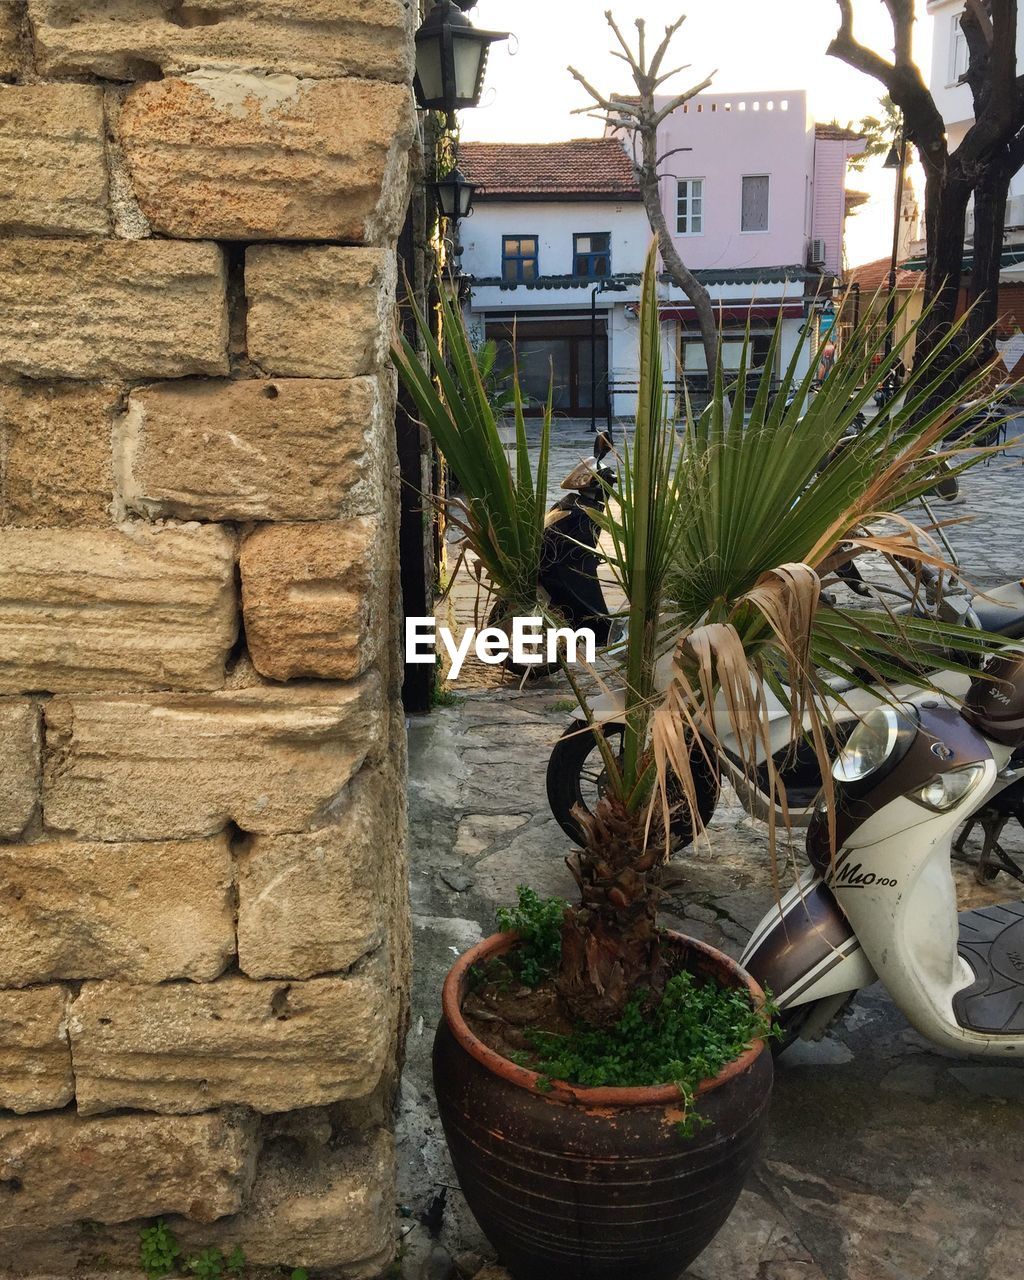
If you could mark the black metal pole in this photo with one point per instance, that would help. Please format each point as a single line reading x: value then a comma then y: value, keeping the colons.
x: 593, y: 357
x: 890, y: 309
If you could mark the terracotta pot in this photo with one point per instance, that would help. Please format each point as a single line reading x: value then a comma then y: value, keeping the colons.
x: 595, y: 1184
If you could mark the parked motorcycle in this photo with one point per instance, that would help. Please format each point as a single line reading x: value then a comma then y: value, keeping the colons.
x: 882, y: 906
x: 575, y: 774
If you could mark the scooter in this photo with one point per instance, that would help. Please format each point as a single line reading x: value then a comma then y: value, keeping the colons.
x: 882, y: 905
x: 575, y: 774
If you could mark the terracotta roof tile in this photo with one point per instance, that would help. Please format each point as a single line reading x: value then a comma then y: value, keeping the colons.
x: 872, y: 276
x: 586, y: 168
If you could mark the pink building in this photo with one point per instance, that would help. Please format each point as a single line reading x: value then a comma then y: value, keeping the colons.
x: 756, y: 190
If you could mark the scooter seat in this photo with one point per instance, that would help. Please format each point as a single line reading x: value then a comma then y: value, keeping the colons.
x: 992, y: 943
x: 1001, y: 610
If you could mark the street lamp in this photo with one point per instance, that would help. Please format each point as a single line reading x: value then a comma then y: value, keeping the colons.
x: 603, y: 286
x: 455, y: 195
x: 451, y: 57
x: 896, y: 159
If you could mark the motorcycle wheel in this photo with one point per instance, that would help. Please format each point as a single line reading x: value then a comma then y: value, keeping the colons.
x: 575, y: 777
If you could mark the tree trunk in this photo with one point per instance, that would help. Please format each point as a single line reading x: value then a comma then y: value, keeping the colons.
x: 610, y: 943
x: 682, y: 276
x: 946, y: 198
x: 989, y: 219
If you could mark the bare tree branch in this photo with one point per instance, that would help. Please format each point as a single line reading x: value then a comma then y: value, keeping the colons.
x: 641, y: 119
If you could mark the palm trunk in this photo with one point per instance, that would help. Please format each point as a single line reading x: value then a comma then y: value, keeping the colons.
x: 610, y: 944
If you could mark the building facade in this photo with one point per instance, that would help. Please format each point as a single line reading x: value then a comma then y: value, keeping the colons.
x: 755, y: 196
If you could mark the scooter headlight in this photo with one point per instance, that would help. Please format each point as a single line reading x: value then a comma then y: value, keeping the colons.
x: 947, y: 789
x: 869, y: 746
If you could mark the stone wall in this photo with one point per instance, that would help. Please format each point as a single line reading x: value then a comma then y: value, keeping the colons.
x: 203, y: 937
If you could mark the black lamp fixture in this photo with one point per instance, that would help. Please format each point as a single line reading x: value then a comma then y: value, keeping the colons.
x: 455, y: 195
x: 892, y: 160
x: 451, y: 57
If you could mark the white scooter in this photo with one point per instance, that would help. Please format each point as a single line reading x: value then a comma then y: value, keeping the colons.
x: 575, y: 775
x: 881, y: 905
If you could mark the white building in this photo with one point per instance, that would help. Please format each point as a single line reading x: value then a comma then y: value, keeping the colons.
x: 556, y: 224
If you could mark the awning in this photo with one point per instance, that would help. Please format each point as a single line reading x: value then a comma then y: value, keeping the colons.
x: 740, y: 313
x: 1008, y: 258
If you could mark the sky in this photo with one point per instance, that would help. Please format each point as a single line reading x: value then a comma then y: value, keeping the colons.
x: 751, y: 45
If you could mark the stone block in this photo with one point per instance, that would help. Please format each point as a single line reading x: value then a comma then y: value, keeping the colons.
x: 56, y: 440
x: 106, y: 309
x: 141, y: 912
x: 125, y: 39
x: 127, y: 608
x: 291, y: 449
x: 319, y: 312
x: 330, y: 1210
x: 35, y: 1055
x: 11, y: 60
x: 20, y: 743
x: 315, y: 597
x: 273, y: 1046
x: 53, y: 172
x: 314, y: 903
x: 333, y: 157
x: 270, y: 759
x: 61, y: 1168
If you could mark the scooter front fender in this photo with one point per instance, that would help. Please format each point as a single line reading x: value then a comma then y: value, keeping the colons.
x: 804, y: 949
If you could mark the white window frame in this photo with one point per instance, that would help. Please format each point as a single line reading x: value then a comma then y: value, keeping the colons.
x: 756, y: 231
x: 689, y: 198
x: 957, y: 43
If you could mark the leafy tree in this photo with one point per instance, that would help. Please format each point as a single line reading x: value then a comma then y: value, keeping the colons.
x: 990, y: 153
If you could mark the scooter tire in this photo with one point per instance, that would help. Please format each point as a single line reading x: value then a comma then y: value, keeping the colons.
x: 568, y: 762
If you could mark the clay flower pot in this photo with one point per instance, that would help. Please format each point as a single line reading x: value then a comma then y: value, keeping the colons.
x: 595, y: 1184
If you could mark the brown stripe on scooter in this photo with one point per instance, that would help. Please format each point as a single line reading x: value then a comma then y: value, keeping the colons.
x: 812, y: 929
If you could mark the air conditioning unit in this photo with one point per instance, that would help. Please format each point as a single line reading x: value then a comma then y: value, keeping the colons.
x: 1014, y: 213
x: 817, y: 253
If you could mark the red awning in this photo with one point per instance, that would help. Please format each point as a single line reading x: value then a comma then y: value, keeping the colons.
x: 738, y: 313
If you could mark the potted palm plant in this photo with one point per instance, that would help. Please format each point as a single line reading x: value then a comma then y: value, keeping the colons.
x: 604, y: 1084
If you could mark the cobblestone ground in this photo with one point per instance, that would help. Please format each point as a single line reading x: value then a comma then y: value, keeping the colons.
x: 886, y: 1160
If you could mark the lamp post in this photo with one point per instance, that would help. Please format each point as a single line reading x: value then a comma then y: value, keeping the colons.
x: 896, y: 159
x: 451, y: 58
x: 603, y: 286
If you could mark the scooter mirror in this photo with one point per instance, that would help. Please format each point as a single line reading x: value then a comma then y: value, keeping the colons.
x: 602, y: 446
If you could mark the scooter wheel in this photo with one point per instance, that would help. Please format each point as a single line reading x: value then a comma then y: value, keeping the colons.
x: 576, y: 778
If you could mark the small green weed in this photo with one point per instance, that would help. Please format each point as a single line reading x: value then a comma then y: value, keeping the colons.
x: 695, y: 1030
x: 538, y: 921
x: 160, y: 1254
x: 158, y: 1250
x: 564, y: 704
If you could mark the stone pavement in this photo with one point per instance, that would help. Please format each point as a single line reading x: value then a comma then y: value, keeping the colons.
x: 886, y: 1160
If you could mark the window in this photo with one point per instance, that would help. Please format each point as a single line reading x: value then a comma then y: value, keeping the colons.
x: 592, y: 255
x: 754, y: 204
x: 519, y: 259
x: 690, y: 207
x: 959, y: 55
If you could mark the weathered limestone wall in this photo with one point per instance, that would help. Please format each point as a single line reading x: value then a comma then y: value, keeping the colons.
x: 203, y: 936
